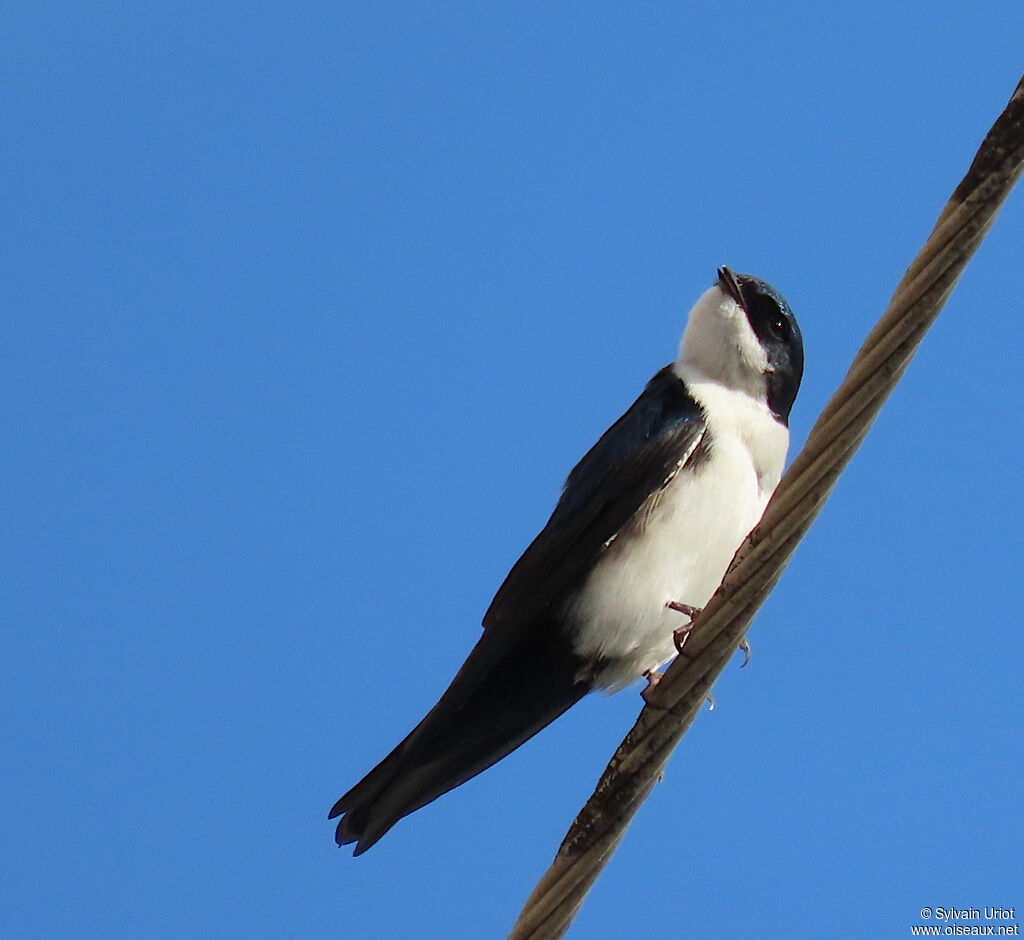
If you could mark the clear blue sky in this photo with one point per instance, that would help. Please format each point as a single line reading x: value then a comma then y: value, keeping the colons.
x: 308, y: 310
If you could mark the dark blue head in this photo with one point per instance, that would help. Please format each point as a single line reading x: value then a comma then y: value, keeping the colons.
x: 777, y: 331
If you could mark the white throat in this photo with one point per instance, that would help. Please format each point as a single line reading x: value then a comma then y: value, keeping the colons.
x: 719, y: 345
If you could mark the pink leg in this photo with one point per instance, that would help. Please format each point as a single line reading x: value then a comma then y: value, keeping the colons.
x: 680, y: 636
x: 690, y: 612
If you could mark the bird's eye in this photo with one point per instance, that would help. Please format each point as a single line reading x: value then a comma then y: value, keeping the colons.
x: 771, y: 315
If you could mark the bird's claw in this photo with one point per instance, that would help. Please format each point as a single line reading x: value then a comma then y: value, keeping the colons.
x: 653, y: 678
x: 680, y: 636
x: 745, y: 646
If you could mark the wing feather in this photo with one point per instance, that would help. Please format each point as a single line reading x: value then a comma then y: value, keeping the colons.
x: 605, y: 494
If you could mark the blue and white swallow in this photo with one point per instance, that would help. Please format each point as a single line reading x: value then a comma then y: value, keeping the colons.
x: 646, y: 526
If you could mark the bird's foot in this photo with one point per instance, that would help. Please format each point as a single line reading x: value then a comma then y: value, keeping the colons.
x: 690, y: 612
x: 745, y: 646
x: 680, y: 636
x: 653, y: 678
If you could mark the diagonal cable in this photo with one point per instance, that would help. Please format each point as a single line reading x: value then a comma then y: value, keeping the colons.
x: 839, y: 430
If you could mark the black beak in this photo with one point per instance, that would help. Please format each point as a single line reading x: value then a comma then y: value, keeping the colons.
x: 727, y: 281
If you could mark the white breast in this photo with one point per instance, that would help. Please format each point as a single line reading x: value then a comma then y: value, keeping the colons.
x: 683, y: 550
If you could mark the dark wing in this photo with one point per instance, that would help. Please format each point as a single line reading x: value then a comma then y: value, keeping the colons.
x: 635, y: 458
x: 492, y: 706
x: 523, y: 672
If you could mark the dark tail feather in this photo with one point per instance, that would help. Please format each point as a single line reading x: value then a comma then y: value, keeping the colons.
x: 485, y: 714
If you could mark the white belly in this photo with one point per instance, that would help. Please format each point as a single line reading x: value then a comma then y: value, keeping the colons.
x: 682, y: 552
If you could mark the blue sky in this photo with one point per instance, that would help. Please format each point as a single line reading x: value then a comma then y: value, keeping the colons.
x: 309, y: 309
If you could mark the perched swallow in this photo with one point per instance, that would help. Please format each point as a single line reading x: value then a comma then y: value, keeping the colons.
x: 650, y: 517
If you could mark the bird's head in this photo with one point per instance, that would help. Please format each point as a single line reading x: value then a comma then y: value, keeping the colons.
x: 742, y: 334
